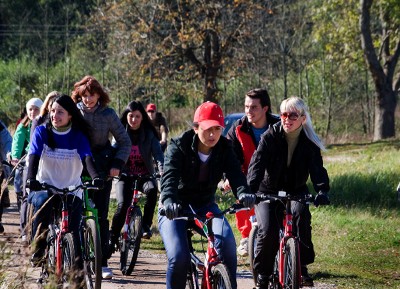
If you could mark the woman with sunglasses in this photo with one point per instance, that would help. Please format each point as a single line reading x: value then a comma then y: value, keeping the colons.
x: 288, y: 153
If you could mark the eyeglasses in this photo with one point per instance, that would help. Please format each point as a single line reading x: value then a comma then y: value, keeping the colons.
x: 151, y: 111
x: 290, y: 115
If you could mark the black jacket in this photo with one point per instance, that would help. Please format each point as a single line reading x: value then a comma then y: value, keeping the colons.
x: 269, y: 165
x: 179, y: 182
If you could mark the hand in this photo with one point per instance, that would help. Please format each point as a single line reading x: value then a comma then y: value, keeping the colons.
x: 321, y: 199
x: 172, y: 211
x: 248, y: 200
x: 98, y: 183
x: 34, y: 185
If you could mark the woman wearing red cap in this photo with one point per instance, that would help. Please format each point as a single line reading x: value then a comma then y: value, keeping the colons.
x: 194, y: 164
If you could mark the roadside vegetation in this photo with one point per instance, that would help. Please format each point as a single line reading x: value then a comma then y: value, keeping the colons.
x: 357, y: 238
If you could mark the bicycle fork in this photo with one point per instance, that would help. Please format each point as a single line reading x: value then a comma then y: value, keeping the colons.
x: 59, y: 242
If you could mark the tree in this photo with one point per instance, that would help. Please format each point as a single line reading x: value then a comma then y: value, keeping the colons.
x: 382, y: 64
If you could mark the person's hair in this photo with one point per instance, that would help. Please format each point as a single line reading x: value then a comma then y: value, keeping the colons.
x: 262, y: 95
x: 89, y: 83
x: 77, y: 120
x: 146, y: 122
x: 295, y: 103
x: 44, y: 110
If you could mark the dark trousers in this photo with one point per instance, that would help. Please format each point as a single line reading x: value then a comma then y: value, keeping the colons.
x: 101, y: 200
x: 269, y: 219
x: 124, y: 191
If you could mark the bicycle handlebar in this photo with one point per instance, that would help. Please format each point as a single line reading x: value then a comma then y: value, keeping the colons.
x: 283, y: 197
x: 70, y: 189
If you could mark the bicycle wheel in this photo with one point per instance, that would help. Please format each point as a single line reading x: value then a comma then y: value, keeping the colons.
x: 130, y: 245
x: 192, y: 281
x: 274, y: 282
x: 29, y: 223
x: 51, y: 252
x: 252, y: 249
x: 68, y: 258
x: 92, y: 255
x: 291, y: 266
x: 220, y: 277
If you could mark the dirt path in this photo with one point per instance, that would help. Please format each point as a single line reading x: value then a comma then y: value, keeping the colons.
x: 149, y: 271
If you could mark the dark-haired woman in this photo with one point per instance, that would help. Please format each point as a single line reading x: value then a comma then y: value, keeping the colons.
x: 93, y: 102
x: 58, y: 152
x: 145, y: 150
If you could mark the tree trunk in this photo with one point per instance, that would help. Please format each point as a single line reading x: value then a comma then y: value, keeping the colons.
x: 385, y: 106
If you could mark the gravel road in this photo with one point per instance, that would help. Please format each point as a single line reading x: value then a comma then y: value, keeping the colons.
x: 149, y: 271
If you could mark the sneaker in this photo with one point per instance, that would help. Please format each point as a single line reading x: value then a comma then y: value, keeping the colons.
x: 106, y: 273
x: 243, y: 249
x: 306, y: 279
x: 146, y: 232
x: 24, y: 240
x: 1, y: 228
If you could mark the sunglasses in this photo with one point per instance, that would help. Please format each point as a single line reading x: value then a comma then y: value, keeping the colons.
x: 290, y: 115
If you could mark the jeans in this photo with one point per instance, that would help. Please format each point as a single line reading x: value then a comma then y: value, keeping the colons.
x: 174, y: 236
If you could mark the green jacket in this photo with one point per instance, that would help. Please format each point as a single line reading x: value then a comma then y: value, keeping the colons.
x: 20, y: 143
x: 179, y: 182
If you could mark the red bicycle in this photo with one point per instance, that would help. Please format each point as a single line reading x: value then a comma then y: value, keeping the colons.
x: 287, y: 267
x: 214, y: 273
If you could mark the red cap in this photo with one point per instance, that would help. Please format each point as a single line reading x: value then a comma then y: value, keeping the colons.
x: 151, y: 106
x: 209, y: 114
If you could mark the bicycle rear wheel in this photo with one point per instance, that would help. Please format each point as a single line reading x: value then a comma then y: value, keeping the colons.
x: 68, y: 258
x: 291, y: 269
x: 130, y: 246
x: 252, y: 249
x: 92, y: 255
x: 220, y: 277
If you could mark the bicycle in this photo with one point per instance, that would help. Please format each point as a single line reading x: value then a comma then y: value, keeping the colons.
x: 214, y: 273
x: 60, y: 253
x: 131, y: 233
x: 89, y: 236
x: 287, y: 267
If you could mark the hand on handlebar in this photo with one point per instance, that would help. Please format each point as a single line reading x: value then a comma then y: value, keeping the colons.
x: 172, y: 211
x: 34, y: 185
x: 248, y: 200
x: 321, y: 199
x: 98, y: 182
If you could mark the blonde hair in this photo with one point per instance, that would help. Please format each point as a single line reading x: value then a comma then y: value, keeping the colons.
x: 295, y: 103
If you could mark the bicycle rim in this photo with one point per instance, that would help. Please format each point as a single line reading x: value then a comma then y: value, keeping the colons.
x: 68, y: 258
x: 130, y: 246
x: 291, y: 265
x: 220, y: 277
x: 92, y: 255
x: 192, y: 281
x: 51, y: 253
x: 274, y: 282
x: 252, y: 250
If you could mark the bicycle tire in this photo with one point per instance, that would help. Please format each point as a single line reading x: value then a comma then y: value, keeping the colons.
x: 192, y: 281
x: 274, y: 282
x: 51, y: 252
x: 251, y: 250
x: 220, y: 277
x: 29, y: 223
x: 68, y: 258
x: 92, y: 255
x: 130, y: 246
x: 291, y: 265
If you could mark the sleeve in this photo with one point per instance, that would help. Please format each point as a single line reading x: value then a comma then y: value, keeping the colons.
x: 257, y: 166
x: 122, y: 142
x: 157, y: 154
x: 38, y: 139
x: 318, y: 174
x: 18, y: 143
x: 5, y: 141
x: 172, y: 172
x: 231, y: 135
x: 234, y: 173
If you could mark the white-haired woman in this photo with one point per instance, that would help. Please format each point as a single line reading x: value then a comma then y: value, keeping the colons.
x: 288, y: 153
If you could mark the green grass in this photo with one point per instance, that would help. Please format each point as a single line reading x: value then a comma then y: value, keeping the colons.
x: 357, y: 238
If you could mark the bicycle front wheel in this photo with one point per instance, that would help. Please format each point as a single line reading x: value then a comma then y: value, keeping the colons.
x: 192, y: 281
x: 252, y: 250
x: 220, y: 277
x: 92, y: 255
x: 68, y: 258
x: 131, y: 244
x: 291, y: 269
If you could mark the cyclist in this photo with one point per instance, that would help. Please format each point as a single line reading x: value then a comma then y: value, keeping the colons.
x: 288, y: 153
x: 245, y: 134
x: 145, y: 148
x: 194, y: 164
x: 92, y: 100
x: 5, y: 148
x: 20, y: 146
x: 57, y: 155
